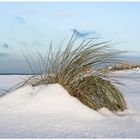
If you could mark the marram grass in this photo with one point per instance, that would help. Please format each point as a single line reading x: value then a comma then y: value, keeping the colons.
x: 67, y: 66
x: 96, y: 92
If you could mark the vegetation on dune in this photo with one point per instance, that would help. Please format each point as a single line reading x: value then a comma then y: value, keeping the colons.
x: 80, y: 68
x: 97, y: 92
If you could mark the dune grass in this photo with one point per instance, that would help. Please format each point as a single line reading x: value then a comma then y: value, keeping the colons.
x: 68, y: 66
x: 96, y: 92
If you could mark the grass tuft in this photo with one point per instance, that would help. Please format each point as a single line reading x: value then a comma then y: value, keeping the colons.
x: 80, y: 68
x: 96, y: 92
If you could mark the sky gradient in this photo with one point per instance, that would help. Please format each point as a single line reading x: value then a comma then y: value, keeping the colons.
x: 36, y: 24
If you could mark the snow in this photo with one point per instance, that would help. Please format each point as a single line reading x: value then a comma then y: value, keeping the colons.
x: 50, y: 112
x: 8, y: 81
x: 51, y: 99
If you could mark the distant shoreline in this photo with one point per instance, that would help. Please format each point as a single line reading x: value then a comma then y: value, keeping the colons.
x: 19, y: 73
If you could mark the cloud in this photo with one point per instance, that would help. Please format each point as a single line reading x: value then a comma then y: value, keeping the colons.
x: 37, y: 44
x: 3, y: 54
x: 81, y: 34
x: 4, y: 45
x: 30, y: 10
x: 63, y: 14
x: 20, y: 19
x: 22, y: 24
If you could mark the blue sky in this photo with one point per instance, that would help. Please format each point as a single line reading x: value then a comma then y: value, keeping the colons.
x: 36, y: 24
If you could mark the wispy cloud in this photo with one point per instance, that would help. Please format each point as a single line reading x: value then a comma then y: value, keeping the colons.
x: 3, y: 54
x: 37, y: 44
x: 20, y: 19
x: 30, y: 10
x: 4, y: 45
x: 22, y: 22
x: 81, y: 34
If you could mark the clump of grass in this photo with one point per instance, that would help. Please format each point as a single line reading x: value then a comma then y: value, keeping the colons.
x: 67, y: 66
x: 96, y: 92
